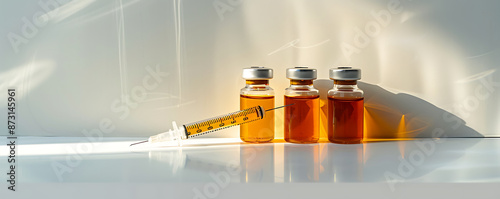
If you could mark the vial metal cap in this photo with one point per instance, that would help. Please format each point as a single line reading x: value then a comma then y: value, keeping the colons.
x: 345, y: 73
x: 257, y: 73
x: 301, y: 73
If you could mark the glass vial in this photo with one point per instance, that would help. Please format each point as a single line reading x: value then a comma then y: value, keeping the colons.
x: 257, y: 92
x: 302, y: 118
x: 345, y: 107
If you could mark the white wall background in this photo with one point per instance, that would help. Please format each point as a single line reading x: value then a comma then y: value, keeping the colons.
x: 77, y: 64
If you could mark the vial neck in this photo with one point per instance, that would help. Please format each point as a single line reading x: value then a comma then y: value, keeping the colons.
x: 257, y: 82
x: 301, y: 82
x: 345, y: 84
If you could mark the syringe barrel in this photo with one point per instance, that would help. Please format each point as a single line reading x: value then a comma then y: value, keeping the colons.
x: 224, y: 121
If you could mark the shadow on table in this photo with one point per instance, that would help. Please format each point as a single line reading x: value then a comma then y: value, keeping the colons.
x: 400, y: 116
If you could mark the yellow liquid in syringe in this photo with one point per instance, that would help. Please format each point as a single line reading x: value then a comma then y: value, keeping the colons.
x: 224, y: 121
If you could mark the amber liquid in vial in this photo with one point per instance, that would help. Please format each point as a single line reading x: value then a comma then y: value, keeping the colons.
x: 302, y: 119
x: 345, y: 120
x: 262, y: 130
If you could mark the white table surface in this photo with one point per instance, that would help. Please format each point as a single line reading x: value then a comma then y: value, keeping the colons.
x: 63, y: 160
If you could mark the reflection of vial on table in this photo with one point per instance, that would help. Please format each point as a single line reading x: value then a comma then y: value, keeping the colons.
x: 301, y: 163
x: 301, y: 119
x: 257, y: 163
x: 345, y: 107
x: 345, y: 163
x: 257, y: 92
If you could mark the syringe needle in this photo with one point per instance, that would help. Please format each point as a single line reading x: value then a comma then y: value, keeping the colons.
x: 279, y: 107
x: 139, y: 142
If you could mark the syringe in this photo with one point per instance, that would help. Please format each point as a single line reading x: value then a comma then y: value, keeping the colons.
x: 177, y: 134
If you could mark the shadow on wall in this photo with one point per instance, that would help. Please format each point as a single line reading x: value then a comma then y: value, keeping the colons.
x: 398, y: 116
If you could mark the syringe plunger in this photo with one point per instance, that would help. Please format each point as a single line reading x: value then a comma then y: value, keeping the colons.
x: 176, y: 134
